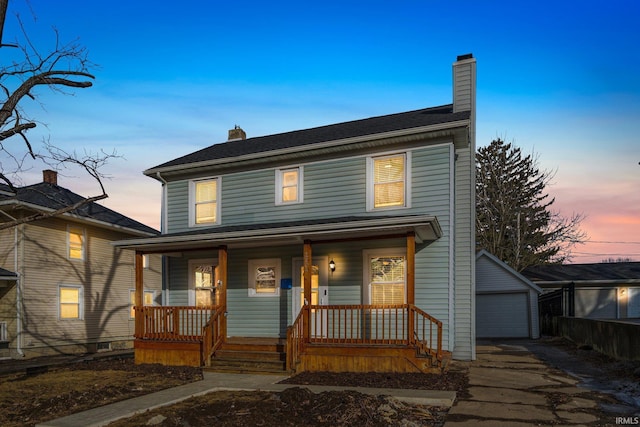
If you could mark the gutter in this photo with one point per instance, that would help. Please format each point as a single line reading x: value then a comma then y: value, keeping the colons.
x: 587, y: 282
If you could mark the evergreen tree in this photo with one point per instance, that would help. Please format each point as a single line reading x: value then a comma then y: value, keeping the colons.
x: 514, y: 220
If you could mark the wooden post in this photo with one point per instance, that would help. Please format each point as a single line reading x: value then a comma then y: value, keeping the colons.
x: 222, y: 290
x: 411, y: 283
x: 306, y: 319
x: 138, y: 300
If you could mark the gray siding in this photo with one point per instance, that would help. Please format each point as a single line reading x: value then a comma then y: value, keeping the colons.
x: 493, y: 280
x: 334, y: 188
x: 337, y: 186
x: 464, y: 257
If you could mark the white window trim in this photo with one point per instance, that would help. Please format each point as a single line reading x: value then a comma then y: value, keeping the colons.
x: 80, y: 302
x: 73, y: 228
x: 251, y: 268
x: 279, y: 182
x: 407, y: 181
x: 192, y: 283
x: 192, y: 201
x: 367, y: 254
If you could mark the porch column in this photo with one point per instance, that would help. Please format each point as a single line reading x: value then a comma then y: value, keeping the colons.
x: 411, y: 282
x: 411, y: 267
x: 306, y: 320
x: 222, y: 289
x: 138, y: 300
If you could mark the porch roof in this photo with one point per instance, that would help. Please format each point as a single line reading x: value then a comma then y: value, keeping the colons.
x: 426, y: 228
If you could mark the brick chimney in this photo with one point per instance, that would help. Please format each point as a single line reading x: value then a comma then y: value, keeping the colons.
x: 237, y: 134
x: 50, y: 176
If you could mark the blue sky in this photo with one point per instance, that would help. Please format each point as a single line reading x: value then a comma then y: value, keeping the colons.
x: 558, y: 78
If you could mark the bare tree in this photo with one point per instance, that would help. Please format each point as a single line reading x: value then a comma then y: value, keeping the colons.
x: 62, y: 68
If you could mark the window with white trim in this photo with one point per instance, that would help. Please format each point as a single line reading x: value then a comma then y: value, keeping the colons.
x: 289, y: 185
x: 388, y: 181
x: 204, y: 202
x: 264, y: 277
x: 75, y: 243
x: 147, y: 300
x: 386, y: 276
x: 71, y: 302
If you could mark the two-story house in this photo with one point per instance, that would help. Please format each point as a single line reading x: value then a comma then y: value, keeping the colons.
x: 349, y: 247
x: 64, y: 288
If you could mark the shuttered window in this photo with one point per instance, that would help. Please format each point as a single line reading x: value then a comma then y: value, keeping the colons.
x: 388, y: 278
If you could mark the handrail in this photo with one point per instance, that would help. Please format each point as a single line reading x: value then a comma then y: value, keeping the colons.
x: 212, y: 336
x: 295, y: 341
x: 423, y: 332
x: 171, y: 323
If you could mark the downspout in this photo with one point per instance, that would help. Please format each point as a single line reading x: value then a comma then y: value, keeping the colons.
x: 163, y: 228
x: 18, y: 294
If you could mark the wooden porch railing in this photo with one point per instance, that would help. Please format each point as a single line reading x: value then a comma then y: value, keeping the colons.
x: 371, y: 325
x: 212, y: 335
x: 172, y: 323
x: 426, y: 328
x: 295, y: 341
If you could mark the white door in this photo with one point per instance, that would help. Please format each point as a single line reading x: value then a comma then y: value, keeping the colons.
x: 319, y: 291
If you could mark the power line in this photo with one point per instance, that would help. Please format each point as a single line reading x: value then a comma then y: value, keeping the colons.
x: 617, y: 243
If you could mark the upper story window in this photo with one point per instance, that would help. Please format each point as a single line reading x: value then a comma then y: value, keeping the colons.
x: 75, y: 243
x: 204, y: 198
x: 289, y: 185
x: 388, y: 181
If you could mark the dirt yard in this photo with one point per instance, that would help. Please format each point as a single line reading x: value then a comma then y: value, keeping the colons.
x: 26, y: 400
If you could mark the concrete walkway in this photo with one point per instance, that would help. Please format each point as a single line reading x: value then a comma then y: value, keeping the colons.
x: 216, y: 382
x: 509, y: 386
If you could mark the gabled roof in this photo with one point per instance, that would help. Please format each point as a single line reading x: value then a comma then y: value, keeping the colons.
x: 597, y: 272
x: 334, y: 132
x: 51, y: 197
x: 504, y: 266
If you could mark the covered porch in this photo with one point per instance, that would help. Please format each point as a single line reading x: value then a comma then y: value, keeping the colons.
x: 319, y: 337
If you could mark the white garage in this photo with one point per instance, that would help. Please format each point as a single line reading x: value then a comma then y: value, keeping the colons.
x: 506, y: 301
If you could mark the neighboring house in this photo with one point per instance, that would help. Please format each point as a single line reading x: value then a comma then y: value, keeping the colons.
x: 349, y: 247
x: 506, y: 301
x: 72, y: 289
x: 594, y: 291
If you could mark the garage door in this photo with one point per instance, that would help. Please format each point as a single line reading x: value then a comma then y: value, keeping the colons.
x: 502, y: 316
x: 596, y: 303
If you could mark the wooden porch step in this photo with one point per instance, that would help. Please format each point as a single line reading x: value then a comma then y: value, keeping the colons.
x: 250, y: 355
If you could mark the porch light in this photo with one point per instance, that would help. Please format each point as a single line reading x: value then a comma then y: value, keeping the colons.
x: 332, y: 265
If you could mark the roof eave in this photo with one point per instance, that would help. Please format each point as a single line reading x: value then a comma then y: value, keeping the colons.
x: 79, y: 218
x: 426, y: 228
x: 152, y: 172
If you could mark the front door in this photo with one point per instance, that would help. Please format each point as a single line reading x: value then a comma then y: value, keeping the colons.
x: 319, y: 291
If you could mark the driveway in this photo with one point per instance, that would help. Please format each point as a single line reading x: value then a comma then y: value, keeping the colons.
x: 524, y: 383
